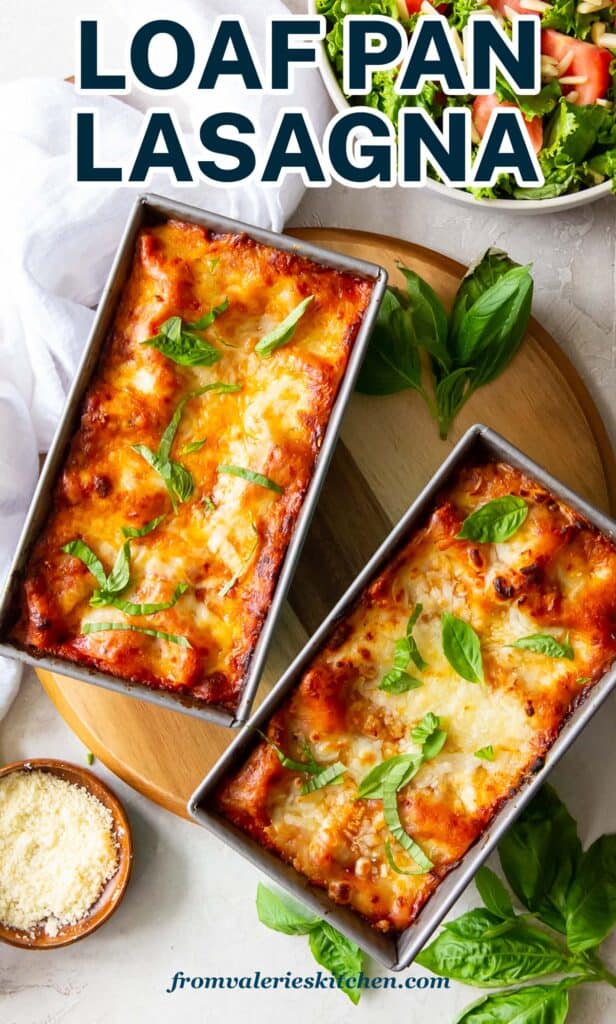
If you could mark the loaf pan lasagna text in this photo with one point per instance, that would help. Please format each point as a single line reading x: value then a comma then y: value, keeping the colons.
x: 435, y: 698
x: 196, y: 444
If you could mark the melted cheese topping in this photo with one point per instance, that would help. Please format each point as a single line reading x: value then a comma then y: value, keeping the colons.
x: 273, y: 426
x: 556, y: 575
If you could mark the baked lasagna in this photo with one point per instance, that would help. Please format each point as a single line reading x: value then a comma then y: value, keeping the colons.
x: 435, y: 698
x: 196, y: 444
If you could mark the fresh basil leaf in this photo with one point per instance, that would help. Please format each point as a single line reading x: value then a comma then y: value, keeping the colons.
x: 540, y: 855
x: 177, y: 341
x: 391, y: 785
x: 283, y: 914
x: 462, y: 648
x: 392, y: 361
x: 326, y: 777
x: 309, y: 766
x: 463, y: 953
x: 79, y: 549
x: 398, y: 681
x: 501, y: 349
x: 494, y: 893
x: 371, y: 786
x: 179, y: 481
x: 485, y: 753
x: 591, y: 900
x: 490, y: 321
x: 283, y: 332
x: 479, y: 278
x: 428, y: 318
x: 101, y: 627
x: 194, y: 446
x: 534, y: 1004
x: 251, y: 477
x: 392, y: 863
x: 149, y: 609
x: 337, y: 954
x: 496, y: 521
x: 142, y: 531
x: 543, y: 643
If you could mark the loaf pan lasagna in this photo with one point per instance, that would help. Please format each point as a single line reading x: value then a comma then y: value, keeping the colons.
x: 195, y: 447
x: 435, y: 697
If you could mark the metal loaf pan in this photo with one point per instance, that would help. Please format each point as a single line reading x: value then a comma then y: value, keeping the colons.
x: 479, y: 442
x: 152, y: 209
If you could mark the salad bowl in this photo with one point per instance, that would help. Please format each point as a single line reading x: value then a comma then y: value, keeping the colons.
x: 560, y: 203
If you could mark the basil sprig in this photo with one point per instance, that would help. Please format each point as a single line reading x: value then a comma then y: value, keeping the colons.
x: 283, y: 333
x: 113, y: 586
x: 544, y: 643
x: 465, y: 351
x: 496, y: 521
x: 398, y: 680
x: 177, y: 479
x: 177, y: 340
x: 251, y: 477
x: 329, y: 948
x: 571, y: 891
x: 101, y: 627
x: 385, y: 781
x: 462, y: 648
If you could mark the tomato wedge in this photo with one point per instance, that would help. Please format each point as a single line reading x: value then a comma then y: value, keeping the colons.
x: 589, y: 61
x: 514, y: 5
x: 483, y: 107
x: 414, y: 6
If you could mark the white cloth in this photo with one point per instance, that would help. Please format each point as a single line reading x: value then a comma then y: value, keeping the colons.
x: 60, y: 237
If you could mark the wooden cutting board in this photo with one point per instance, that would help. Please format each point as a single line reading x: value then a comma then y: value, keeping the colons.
x: 389, y: 450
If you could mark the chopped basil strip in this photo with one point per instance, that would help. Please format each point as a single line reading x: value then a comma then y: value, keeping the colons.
x: 496, y: 521
x: 142, y: 531
x: 309, y: 766
x: 582, y: 680
x: 251, y: 477
x: 101, y: 627
x: 148, y: 609
x: 283, y: 332
x: 79, y: 549
x: 485, y: 753
x: 177, y: 479
x: 194, y: 446
x: 429, y: 735
x: 400, y: 871
x: 543, y: 643
x: 405, y: 650
x: 213, y: 263
x: 177, y: 341
x: 462, y: 648
x: 395, y: 782
x: 238, y: 575
x: 209, y: 504
x: 327, y: 777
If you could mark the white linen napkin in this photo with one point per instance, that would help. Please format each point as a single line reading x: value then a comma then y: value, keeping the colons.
x: 60, y: 237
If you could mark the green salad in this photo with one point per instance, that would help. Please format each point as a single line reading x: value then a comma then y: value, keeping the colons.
x: 571, y: 121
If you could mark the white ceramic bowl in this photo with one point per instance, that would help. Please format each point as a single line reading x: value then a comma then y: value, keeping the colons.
x: 458, y: 195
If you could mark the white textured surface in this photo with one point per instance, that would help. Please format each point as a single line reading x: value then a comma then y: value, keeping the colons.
x: 190, y: 905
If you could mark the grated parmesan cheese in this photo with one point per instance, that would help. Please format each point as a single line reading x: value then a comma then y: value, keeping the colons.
x: 57, y: 851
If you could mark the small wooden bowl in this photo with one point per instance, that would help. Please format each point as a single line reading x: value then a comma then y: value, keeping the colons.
x: 113, y: 893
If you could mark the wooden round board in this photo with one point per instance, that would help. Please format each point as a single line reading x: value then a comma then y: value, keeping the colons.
x: 389, y: 449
